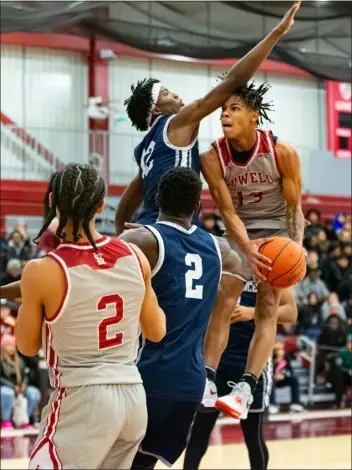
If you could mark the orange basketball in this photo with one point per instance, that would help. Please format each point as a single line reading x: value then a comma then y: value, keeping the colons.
x: 288, y: 262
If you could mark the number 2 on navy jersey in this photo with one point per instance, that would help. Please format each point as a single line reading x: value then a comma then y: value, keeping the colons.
x: 193, y: 290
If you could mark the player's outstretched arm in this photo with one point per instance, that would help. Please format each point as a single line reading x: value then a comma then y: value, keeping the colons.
x: 229, y: 291
x: 191, y: 115
x: 153, y: 321
x: 290, y: 167
x: 28, y: 327
x: 287, y: 313
x: 129, y: 203
x: 234, y: 225
x: 11, y: 291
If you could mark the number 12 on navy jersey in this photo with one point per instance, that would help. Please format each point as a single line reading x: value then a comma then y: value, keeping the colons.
x: 193, y: 290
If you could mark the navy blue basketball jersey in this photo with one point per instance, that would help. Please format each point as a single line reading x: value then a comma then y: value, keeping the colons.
x: 185, y: 280
x: 155, y: 155
x: 241, y: 333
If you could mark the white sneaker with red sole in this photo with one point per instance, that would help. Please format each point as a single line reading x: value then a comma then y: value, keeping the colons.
x: 236, y: 404
x: 210, y: 394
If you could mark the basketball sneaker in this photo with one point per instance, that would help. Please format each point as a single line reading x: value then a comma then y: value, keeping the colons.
x: 236, y: 403
x: 210, y: 394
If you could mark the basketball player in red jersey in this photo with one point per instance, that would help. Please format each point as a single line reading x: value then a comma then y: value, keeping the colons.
x: 255, y: 176
x: 84, y: 302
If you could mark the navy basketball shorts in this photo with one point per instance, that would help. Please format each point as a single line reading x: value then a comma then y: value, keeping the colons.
x: 168, y: 427
x: 233, y: 373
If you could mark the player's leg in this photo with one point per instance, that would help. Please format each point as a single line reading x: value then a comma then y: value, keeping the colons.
x: 258, y: 453
x: 198, y: 441
x: 78, y: 428
x: 218, y: 331
x: 203, y: 425
x: 122, y: 453
x: 168, y: 427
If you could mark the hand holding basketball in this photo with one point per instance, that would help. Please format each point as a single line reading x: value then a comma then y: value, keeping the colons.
x: 288, y: 262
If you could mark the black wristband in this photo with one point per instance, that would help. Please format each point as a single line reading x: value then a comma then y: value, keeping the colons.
x: 211, y: 373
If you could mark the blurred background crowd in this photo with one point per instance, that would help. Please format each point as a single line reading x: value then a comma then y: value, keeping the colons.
x: 324, y: 301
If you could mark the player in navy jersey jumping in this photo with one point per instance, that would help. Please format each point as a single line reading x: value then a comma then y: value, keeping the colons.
x: 231, y: 368
x: 187, y: 264
x: 172, y: 136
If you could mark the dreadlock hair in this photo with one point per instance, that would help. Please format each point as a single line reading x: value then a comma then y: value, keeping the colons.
x: 253, y: 97
x: 77, y: 191
x: 139, y: 104
x: 179, y: 192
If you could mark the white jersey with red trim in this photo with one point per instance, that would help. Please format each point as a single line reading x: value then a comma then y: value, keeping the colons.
x: 93, y: 338
x: 256, y: 186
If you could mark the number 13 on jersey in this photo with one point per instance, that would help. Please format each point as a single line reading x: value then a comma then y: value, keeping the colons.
x: 193, y: 290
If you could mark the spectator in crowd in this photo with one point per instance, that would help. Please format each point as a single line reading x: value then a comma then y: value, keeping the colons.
x: 322, y: 243
x: 211, y: 225
x: 348, y: 308
x: 284, y: 377
x: 314, y: 218
x: 339, y: 222
x: 340, y: 271
x: 13, y: 272
x: 4, y: 253
x: 328, y: 260
x: 18, y: 248
x: 7, y: 320
x: 330, y: 231
x: 14, y: 379
x: 332, y: 338
x: 312, y: 259
x: 341, y: 372
x: 331, y: 306
x: 311, y: 283
x: 310, y: 318
x: 347, y: 250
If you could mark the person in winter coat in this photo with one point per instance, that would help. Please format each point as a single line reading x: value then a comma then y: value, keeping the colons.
x: 284, y: 377
x: 14, y: 379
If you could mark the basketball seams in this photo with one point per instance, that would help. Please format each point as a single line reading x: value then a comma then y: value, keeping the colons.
x: 261, y: 248
x: 287, y: 272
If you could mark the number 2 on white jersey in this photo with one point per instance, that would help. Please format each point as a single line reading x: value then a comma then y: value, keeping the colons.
x: 194, y: 274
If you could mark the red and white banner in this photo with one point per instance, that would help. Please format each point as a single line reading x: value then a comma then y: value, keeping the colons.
x: 339, y: 118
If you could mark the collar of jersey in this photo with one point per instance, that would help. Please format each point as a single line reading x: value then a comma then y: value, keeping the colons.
x: 179, y: 227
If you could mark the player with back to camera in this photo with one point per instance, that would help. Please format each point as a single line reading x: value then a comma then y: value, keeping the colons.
x: 255, y: 176
x: 187, y: 263
x: 172, y: 135
x: 231, y: 367
x: 83, y: 303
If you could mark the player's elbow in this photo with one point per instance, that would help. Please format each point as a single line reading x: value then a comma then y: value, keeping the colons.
x: 28, y: 348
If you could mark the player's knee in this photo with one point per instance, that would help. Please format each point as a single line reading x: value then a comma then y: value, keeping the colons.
x: 267, y: 304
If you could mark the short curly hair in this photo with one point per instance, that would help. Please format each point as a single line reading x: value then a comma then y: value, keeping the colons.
x: 179, y: 192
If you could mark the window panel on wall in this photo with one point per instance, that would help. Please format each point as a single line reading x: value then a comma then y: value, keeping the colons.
x: 12, y: 90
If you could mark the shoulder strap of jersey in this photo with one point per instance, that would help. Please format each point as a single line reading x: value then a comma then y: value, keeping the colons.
x: 223, y: 152
x: 161, y: 246
x: 61, y: 263
x: 267, y: 137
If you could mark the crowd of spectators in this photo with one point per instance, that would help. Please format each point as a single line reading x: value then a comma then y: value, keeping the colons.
x: 324, y: 300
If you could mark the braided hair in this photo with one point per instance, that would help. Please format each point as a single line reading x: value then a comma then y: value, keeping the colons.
x: 77, y: 191
x: 253, y: 97
x: 139, y: 104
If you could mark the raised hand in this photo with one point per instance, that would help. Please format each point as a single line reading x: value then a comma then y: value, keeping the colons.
x: 288, y: 20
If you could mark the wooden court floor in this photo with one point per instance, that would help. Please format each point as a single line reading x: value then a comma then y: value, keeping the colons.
x: 305, y: 444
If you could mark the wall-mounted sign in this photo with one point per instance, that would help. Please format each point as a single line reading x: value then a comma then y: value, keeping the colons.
x: 339, y: 118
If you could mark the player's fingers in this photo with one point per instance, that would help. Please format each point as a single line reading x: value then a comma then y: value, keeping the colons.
x: 258, y: 274
x: 263, y: 262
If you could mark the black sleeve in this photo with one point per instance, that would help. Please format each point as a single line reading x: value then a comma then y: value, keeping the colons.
x: 275, y: 138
